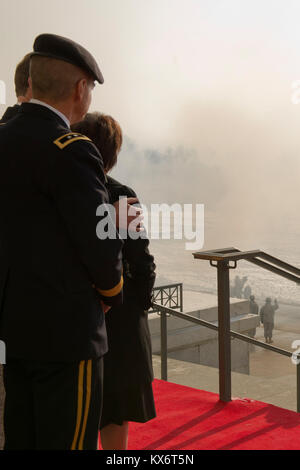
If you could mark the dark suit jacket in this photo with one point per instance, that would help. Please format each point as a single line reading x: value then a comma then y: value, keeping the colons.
x: 129, y: 359
x: 51, y: 183
x: 10, y: 112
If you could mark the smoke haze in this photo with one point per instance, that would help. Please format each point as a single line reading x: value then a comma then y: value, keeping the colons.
x: 202, y: 90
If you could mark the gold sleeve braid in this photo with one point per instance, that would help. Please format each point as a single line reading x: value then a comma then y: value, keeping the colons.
x: 113, y: 291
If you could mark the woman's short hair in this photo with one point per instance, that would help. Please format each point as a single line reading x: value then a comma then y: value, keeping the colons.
x: 106, y: 134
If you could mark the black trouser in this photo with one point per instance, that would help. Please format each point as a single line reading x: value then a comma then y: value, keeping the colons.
x: 52, y: 405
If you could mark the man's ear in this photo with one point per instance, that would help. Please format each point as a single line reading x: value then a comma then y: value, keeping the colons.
x: 80, y: 88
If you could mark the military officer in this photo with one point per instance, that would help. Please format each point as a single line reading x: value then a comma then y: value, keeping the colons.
x: 253, y: 305
x: 22, y: 89
x: 56, y: 276
x: 267, y: 313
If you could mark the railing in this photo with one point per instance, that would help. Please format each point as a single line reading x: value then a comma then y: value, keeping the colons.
x: 170, y: 295
x: 220, y: 259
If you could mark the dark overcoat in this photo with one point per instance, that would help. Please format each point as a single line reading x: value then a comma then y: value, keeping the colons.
x: 129, y: 359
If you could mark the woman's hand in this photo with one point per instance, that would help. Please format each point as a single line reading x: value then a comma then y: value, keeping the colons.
x: 126, y: 213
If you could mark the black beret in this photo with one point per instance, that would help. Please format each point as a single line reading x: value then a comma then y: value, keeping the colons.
x: 58, y: 47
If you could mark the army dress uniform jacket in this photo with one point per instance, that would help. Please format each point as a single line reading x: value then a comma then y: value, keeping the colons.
x: 10, y: 112
x: 53, y: 268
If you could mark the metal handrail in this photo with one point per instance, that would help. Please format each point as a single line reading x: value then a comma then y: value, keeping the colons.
x: 257, y: 257
x: 166, y: 311
x: 212, y: 326
x: 221, y: 258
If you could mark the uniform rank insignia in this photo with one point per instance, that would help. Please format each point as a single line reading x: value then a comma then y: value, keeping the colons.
x: 67, y: 139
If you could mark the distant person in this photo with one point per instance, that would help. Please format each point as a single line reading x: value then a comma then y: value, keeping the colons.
x: 254, y: 309
x: 128, y: 373
x: 22, y: 89
x: 247, y: 292
x: 237, y: 289
x: 267, y: 313
x: 243, y: 282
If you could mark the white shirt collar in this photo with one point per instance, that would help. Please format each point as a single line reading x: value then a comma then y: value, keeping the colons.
x: 61, y: 115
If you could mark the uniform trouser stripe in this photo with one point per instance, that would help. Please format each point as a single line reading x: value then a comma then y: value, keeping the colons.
x: 79, y: 404
x: 87, y: 402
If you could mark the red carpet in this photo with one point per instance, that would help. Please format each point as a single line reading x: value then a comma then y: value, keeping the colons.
x: 194, y: 419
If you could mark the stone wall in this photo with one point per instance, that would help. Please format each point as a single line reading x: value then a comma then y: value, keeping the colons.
x: 198, y: 344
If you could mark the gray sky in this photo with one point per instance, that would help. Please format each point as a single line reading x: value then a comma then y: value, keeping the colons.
x: 205, y: 82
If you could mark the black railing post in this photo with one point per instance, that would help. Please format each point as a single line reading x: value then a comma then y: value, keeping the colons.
x: 163, y: 345
x: 181, y: 297
x: 224, y: 331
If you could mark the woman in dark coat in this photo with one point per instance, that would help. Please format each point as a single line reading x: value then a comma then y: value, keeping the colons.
x: 128, y: 373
